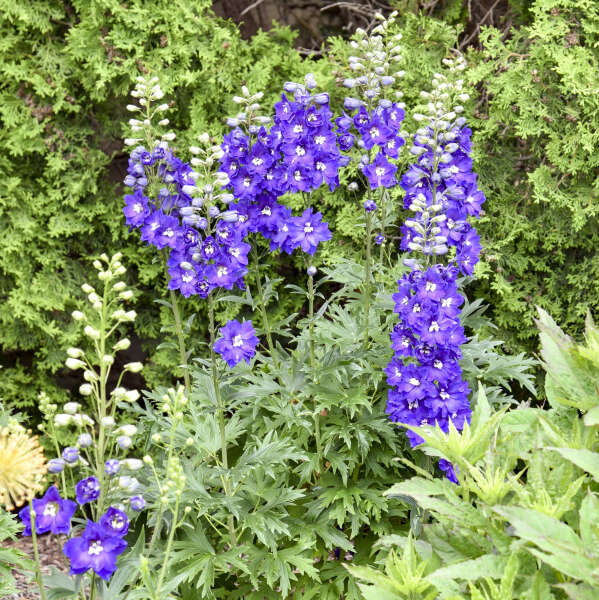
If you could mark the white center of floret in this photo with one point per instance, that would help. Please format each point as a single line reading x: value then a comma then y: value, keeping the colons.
x: 413, y: 381
x: 222, y: 271
x: 444, y: 395
x: 266, y: 211
x: 319, y: 140
x: 237, y: 341
x: 446, y: 302
x: 247, y: 182
x: 138, y: 207
x: 308, y: 227
x: 257, y: 161
x: 380, y: 171
x: 434, y: 326
x: 300, y: 150
x: 320, y: 166
x: 298, y: 128
x: 438, y: 364
x: 187, y: 277
x: 430, y: 286
x: 374, y: 132
x: 51, y: 509
x: 297, y: 176
x: 95, y: 548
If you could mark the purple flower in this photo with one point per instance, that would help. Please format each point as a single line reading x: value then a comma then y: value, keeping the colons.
x: 379, y: 239
x: 112, y: 466
x: 95, y: 549
x: 308, y: 231
x: 238, y: 342
x: 70, y: 454
x: 52, y: 513
x: 369, y: 205
x: 87, y: 490
x: 115, y: 522
x: 137, y: 503
x: 380, y: 173
x: 56, y: 465
x: 449, y: 470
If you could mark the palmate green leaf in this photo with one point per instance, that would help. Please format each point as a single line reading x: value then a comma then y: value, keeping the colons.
x: 489, y: 565
x: 589, y: 524
x: 585, y: 459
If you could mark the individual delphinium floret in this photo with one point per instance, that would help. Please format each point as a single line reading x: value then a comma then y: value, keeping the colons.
x: 424, y: 375
x: 99, y: 454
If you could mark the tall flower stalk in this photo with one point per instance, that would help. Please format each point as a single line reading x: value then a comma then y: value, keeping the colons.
x: 425, y: 375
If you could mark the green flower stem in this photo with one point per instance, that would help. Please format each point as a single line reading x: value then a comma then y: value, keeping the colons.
x: 181, y: 340
x: 383, y: 219
x: 169, y: 546
x: 265, y: 320
x: 368, y: 277
x: 313, y: 368
x: 38, y: 570
x: 221, y: 414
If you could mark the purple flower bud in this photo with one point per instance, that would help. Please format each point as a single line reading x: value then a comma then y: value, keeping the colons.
x: 310, y: 81
x: 87, y: 490
x: 351, y: 103
x: 379, y: 239
x: 311, y: 270
x: 84, y: 440
x: 387, y: 80
x: 349, y: 83
x: 201, y: 223
x: 290, y: 86
x: 230, y: 216
x: 322, y: 98
x: 124, y: 442
x: 112, y: 466
x: 369, y: 205
x: 137, y: 503
x: 56, y: 465
x: 213, y: 211
x: 70, y: 454
x: 384, y: 103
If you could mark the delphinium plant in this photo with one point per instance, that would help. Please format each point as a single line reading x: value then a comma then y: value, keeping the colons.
x: 285, y: 442
x: 108, y: 480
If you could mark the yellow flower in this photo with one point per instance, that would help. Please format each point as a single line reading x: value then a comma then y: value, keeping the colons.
x: 22, y: 466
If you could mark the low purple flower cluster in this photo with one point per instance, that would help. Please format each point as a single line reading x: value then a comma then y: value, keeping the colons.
x: 447, y: 181
x: 297, y: 154
x: 197, y: 262
x: 99, y: 544
x: 377, y: 128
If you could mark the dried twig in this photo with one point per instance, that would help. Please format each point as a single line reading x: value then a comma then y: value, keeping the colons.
x: 251, y: 7
x: 476, y: 31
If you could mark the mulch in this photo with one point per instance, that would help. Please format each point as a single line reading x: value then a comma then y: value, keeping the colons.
x: 50, y: 551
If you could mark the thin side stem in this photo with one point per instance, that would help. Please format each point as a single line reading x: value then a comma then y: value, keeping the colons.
x: 181, y: 341
x: 169, y: 545
x: 313, y: 367
x: 221, y: 413
x: 265, y: 321
x: 38, y: 570
x: 368, y: 277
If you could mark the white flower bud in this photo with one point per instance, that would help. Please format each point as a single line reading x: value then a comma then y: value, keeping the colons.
x: 75, y: 352
x: 130, y: 315
x: 89, y: 375
x: 156, y: 437
x: 74, y: 363
x: 92, y: 333
x: 61, y: 420
x: 107, y: 360
x: 108, y: 422
x: 169, y: 137
x: 132, y: 107
x: 122, y: 344
x: 126, y: 295
x: 119, y: 286
x: 88, y: 289
x: 162, y: 108
x: 71, y: 407
x: 133, y: 464
x: 85, y: 389
x: 120, y: 270
x: 118, y: 392
x: 118, y: 315
x: 129, y: 430
x: 131, y: 396
x: 77, y: 315
x: 134, y: 367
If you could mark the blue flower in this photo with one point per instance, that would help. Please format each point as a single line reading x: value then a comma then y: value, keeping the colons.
x: 87, y: 490
x: 238, y: 342
x: 380, y: 173
x: 115, y: 522
x: 52, y: 513
x: 308, y: 231
x: 70, y: 454
x: 95, y: 549
x: 112, y: 466
x: 137, y: 503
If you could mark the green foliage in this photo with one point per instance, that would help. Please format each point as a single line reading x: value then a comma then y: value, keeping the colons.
x: 537, y: 159
x: 67, y: 68
x: 10, y: 558
x: 522, y: 524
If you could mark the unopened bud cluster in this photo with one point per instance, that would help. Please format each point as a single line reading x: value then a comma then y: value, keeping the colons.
x: 147, y: 93
x: 375, y: 63
x: 249, y: 116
